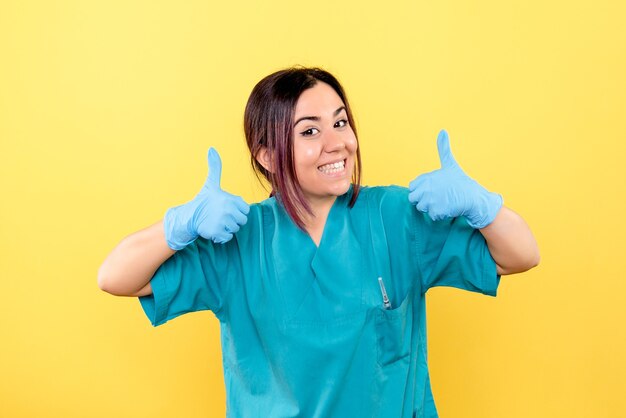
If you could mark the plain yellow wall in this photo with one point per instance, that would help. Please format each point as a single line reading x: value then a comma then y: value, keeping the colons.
x: 107, y: 110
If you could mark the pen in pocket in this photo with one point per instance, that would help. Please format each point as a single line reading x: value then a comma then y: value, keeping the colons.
x: 386, y: 303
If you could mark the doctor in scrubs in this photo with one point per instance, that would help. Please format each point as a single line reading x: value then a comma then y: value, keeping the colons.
x: 320, y: 289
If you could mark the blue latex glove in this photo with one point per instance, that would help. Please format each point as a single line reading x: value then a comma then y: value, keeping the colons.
x: 449, y: 192
x: 213, y: 214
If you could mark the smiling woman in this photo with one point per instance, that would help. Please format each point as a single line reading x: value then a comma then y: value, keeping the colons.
x: 324, y: 146
x: 320, y: 289
x: 289, y: 154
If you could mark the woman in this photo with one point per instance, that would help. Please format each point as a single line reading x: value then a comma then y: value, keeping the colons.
x: 320, y: 289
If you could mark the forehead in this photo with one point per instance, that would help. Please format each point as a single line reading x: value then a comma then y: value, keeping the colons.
x: 318, y: 100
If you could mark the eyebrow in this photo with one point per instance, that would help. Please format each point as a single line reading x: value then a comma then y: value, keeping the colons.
x: 317, y: 118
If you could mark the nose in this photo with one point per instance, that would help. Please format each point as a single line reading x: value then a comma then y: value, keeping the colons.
x: 334, y: 141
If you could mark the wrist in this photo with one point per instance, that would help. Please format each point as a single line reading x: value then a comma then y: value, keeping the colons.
x: 485, y: 209
x: 176, y: 225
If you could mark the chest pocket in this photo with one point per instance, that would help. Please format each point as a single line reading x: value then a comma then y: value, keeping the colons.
x: 394, y: 314
x: 393, y: 333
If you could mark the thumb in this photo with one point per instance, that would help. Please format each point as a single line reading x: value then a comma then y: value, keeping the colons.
x: 443, y: 146
x: 215, y: 169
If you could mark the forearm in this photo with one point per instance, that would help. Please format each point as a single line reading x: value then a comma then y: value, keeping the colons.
x: 131, y: 265
x: 511, y: 243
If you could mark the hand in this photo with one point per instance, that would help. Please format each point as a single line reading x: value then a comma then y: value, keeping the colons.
x: 213, y: 214
x: 449, y: 192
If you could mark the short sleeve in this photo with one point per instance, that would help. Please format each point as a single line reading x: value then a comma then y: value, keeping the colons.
x: 452, y: 253
x: 195, y: 278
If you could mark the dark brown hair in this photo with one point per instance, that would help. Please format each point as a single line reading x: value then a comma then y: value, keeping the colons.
x: 268, y: 122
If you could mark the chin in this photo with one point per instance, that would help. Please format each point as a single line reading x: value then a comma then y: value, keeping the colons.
x: 341, y: 190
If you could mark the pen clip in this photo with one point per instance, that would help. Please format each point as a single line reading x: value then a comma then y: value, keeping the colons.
x: 386, y: 303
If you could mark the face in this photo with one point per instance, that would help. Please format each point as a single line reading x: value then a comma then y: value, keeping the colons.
x: 324, y: 144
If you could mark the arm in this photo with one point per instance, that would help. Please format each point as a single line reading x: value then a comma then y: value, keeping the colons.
x: 213, y: 214
x: 449, y: 192
x: 511, y: 243
x: 129, y: 267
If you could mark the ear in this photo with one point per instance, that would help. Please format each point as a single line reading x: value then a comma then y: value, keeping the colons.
x: 263, y: 157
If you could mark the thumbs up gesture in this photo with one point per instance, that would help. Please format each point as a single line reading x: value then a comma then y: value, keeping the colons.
x: 213, y: 214
x: 449, y: 192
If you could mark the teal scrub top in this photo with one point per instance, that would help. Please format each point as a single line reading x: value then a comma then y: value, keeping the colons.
x: 304, y: 329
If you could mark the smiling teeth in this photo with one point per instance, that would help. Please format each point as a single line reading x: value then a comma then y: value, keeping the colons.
x: 332, y: 168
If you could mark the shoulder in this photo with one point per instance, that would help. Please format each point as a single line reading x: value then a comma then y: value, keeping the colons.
x: 389, y: 205
x: 266, y: 210
x: 384, y: 192
x: 387, y: 198
x: 262, y: 214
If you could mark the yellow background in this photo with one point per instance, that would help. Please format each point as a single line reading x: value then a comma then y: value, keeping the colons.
x: 107, y: 110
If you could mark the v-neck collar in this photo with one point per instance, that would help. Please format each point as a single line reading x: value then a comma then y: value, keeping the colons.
x: 315, y: 281
x: 338, y: 205
x: 329, y: 216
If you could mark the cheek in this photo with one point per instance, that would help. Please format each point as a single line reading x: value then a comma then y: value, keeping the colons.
x: 307, y: 153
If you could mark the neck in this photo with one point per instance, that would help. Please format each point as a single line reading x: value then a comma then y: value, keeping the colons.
x: 315, y: 224
x: 320, y: 209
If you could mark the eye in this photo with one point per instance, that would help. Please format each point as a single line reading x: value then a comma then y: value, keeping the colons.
x: 309, y: 132
x: 341, y: 123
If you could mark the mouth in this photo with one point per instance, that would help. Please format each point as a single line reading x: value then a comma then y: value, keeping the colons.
x: 334, y: 168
